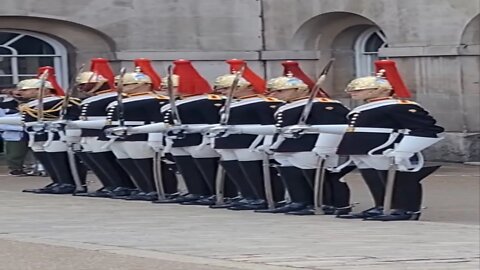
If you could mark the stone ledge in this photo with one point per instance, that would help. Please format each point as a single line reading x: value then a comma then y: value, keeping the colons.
x: 415, y: 51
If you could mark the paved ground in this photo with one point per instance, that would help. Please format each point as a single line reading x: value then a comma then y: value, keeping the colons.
x: 65, y: 232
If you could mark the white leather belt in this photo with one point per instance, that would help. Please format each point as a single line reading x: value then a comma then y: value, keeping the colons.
x: 369, y: 130
x: 95, y: 118
x: 129, y: 123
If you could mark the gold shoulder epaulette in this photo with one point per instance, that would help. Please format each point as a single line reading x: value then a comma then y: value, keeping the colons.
x: 403, y: 101
x: 161, y: 97
x: 214, y: 97
x: 248, y: 96
x: 272, y: 99
x: 324, y: 99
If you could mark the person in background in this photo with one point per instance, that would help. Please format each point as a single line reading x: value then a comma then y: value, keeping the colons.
x: 15, y: 142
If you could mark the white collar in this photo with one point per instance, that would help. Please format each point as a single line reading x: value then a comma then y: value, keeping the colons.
x: 98, y: 97
x: 374, y: 104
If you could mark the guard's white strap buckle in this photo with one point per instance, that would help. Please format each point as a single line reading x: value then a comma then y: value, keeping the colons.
x: 369, y: 130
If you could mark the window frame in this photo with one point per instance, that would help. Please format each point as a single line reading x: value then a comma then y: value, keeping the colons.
x: 60, y: 61
x: 364, y: 59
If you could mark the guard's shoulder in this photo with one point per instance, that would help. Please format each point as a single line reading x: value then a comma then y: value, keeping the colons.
x: 326, y: 100
x: 161, y: 97
x: 272, y: 99
x: 214, y: 97
x: 406, y: 102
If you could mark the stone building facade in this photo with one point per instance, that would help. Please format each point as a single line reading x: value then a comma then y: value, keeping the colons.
x: 436, y: 44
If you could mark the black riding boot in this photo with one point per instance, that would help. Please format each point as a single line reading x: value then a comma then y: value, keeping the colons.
x: 208, y: 169
x: 64, y: 173
x: 192, y: 176
x: 118, y: 177
x: 407, y: 195
x: 299, y: 190
x: 145, y: 177
x: 235, y: 174
x: 253, y: 173
x: 374, y: 179
x: 90, y: 162
x: 49, y: 167
x: 135, y: 175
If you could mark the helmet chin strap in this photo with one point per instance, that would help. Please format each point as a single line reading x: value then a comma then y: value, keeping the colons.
x: 95, y: 87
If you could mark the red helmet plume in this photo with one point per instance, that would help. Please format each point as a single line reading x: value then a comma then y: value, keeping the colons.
x: 257, y: 82
x: 388, y: 69
x: 58, y: 91
x: 292, y: 67
x: 147, y: 69
x: 190, y: 81
x: 101, y: 67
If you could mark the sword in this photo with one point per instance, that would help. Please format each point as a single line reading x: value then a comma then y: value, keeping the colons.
x: 387, y: 202
x: 319, y: 182
x: 41, y: 95
x: 221, y: 174
x: 314, y: 92
x: 171, y: 98
x: 79, y: 186
x: 267, y: 181
x: 318, y: 187
x: 228, y: 103
x: 68, y: 94
x: 120, y: 107
x: 39, y: 126
x: 157, y: 175
x: 220, y: 186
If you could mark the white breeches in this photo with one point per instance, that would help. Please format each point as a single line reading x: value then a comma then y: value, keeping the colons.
x: 198, y: 151
x: 239, y: 154
x: 134, y: 150
x: 304, y: 160
x: 371, y: 162
x: 93, y: 145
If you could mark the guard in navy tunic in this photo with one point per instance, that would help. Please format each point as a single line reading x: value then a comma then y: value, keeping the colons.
x: 51, y: 153
x: 240, y: 160
x: 386, y: 129
x: 141, y: 107
x: 100, y: 160
x: 195, y: 158
x: 299, y: 157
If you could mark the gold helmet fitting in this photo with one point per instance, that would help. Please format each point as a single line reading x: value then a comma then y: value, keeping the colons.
x: 90, y: 77
x: 226, y: 81
x: 369, y: 82
x: 32, y: 84
x: 175, y: 81
x: 135, y: 78
x: 286, y: 82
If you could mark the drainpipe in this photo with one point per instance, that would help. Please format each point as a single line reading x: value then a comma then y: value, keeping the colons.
x: 262, y: 37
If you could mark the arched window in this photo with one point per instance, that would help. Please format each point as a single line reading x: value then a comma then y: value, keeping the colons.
x: 366, y: 50
x: 22, y: 53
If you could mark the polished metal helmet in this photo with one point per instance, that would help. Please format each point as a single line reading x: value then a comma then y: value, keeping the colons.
x: 175, y: 81
x: 32, y: 84
x: 286, y: 82
x: 369, y: 82
x: 135, y: 78
x: 226, y: 81
x: 90, y: 77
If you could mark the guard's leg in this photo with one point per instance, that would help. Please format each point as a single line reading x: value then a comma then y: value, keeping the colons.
x: 299, y: 190
x: 40, y: 154
x: 234, y: 176
x: 197, y: 188
x: 57, y: 152
x: 407, y: 195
